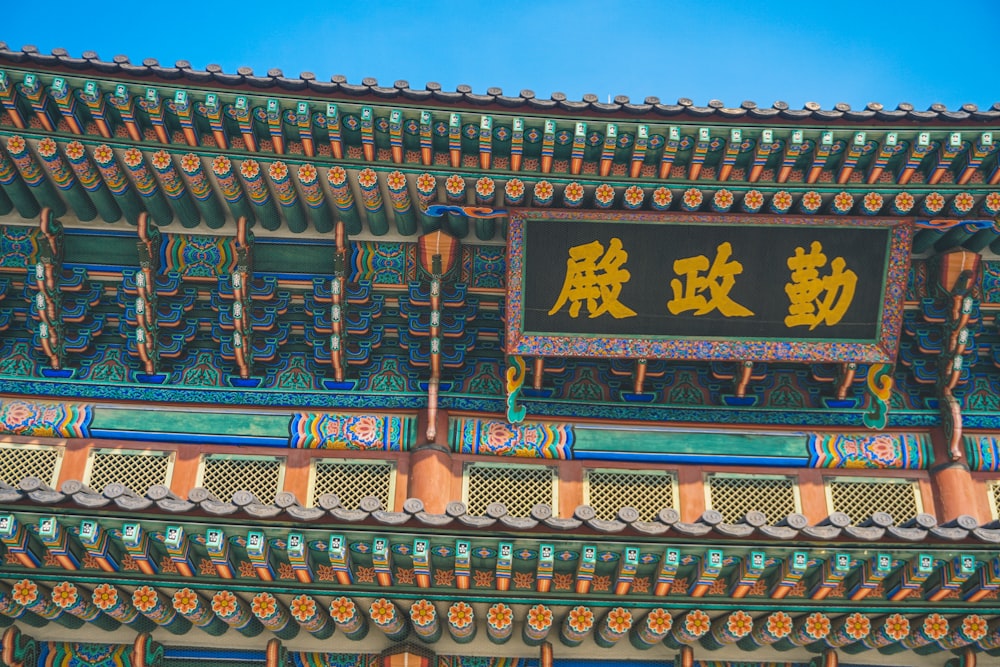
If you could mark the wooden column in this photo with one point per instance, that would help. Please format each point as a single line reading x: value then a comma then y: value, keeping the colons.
x: 954, y: 488
x: 570, y: 488
x: 297, y: 468
x: 812, y: 493
x: 430, y: 466
x: 691, y: 491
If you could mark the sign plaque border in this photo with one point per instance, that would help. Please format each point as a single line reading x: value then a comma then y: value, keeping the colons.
x: 884, y: 349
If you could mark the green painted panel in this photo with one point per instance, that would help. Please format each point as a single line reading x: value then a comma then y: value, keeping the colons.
x: 684, y: 442
x: 109, y: 249
x: 298, y: 258
x: 191, y: 422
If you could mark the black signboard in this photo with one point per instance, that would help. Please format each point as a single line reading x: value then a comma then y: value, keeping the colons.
x: 744, y: 287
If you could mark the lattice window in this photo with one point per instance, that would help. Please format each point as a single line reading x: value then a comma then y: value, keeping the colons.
x: 352, y: 480
x: 518, y: 487
x: 648, y: 491
x: 735, y: 495
x: 859, y: 498
x: 993, y: 487
x: 20, y: 461
x: 260, y: 475
x: 137, y: 470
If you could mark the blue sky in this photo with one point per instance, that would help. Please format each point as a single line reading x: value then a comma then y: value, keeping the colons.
x: 856, y: 52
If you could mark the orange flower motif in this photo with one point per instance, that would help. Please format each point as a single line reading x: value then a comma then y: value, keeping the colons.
x: 974, y: 627
x: 697, y: 623
x: 904, y: 202
x: 382, y: 611
x: 817, y: 625
x: 992, y: 202
x: 857, y: 626
x: 897, y: 627
x: 190, y: 163
x: 753, y: 200
x: 342, y: 610
x: 161, y: 159
x: 15, y: 144
x: 65, y: 595
x: 514, y: 189
x: 781, y: 200
x: 426, y: 183
x: 485, y: 186
x: 963, y: 202
x: 580, y: 619
x: 224, y: 604
x: 24, y: 592
x: 264, y: 605
x: 133, y: 157
x: 395, y: 180
x: 454, y: 184
x: 604, y: 193
x: 302, y: 608
x: 739, y: 623
x: 144, y: 598
x: 367, y: 178
x: 573, y: 192
x: 812, y: 200
x: 723, y: 199
x: 422, y: 613
x: 74, y: 150
x: 935, y: 626
x: 543, y: 190
x: 460, y: 615
x: 693, y: 198
x: 307, y: 174
x: 336, y: 175
x: 105, y: 596
x: 278, y: 170
x: 185, y: 601
x: 873, y: 201
x: 619, y: 620
x: 934, y: 202
x: 779, y: 624
x: 524, y: 579
x: 500, y: 616
x: 103, y: 154
x: 222, y: 165
x: 634, y: 196
x: 662, y: 197
x: 659, y: 621
x: 843, y: 201
x: 539, y: 617
x: 250, y: 168
x: 47, y: 147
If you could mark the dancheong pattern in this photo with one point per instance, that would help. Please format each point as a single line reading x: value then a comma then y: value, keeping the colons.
x: 371, y: 433
x: 500, y: 438
x: 882, y: 450
x: 60, y: 420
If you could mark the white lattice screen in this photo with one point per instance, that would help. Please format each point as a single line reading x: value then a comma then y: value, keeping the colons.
x: 735, y: 495
x: 20, y: 461
x: 859, y: 498
x: 648, y: 492
x: 352, y: 480
x: 225, y: 475
x: 518, y: 487
x: 137, y: 470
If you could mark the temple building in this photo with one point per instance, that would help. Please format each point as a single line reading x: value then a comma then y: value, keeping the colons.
x: 337, y: 374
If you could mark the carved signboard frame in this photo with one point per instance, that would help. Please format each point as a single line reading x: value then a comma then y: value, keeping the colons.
x: 885, y: 320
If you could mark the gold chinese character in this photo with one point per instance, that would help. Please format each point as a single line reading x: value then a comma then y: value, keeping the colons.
x: 595, y: 279
x: 814, y: 300
x: 689, y: 295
